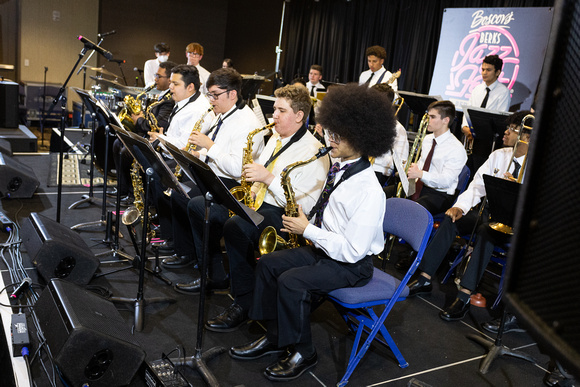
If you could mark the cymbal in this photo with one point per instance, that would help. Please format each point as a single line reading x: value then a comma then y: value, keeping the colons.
x: 115, y: 85
x: 101, y: 70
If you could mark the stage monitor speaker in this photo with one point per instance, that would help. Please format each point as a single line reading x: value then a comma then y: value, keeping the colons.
x: 89, y: 340
x: 5, y: 147
x: 8, y: 104
x: 543, y: 285
x: 58, y: 251
x: 16, y: 179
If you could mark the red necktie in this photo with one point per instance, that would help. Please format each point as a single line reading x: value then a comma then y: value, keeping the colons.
x: 426, y: 166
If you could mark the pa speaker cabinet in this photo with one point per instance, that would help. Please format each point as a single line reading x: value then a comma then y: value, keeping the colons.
x: 89, y: 340
x: 8, y: 104
x: 542, y: 285
x: 16, y: 179
x: 58, y: 251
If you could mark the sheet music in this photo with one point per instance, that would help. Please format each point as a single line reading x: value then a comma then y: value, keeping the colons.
x: 258, y: 112
x: 405, y: 183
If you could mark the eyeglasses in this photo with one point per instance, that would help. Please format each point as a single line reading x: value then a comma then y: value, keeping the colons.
x: 160, y: 76
x: 335, y: 138
x: 213, y: 96
x: 192, y: 53
x: 513, y: 128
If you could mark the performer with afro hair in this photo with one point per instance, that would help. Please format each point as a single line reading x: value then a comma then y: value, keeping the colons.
x: 345, y: 228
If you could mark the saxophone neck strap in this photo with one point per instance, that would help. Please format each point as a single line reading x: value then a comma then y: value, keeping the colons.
x: 295, y: 138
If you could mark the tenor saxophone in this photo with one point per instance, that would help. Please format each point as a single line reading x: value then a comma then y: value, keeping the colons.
x: 269, y: 240
x: 242, y: 192
x: 191, y: 147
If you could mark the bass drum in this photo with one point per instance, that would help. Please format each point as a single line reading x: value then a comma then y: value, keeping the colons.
x: 100, y: 151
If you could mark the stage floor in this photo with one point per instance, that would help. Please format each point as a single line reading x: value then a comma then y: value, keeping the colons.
x: 438, y: 352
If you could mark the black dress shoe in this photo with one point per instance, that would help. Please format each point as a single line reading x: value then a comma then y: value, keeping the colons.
x: 404, y: 263
x: 511, y: 325
x: 255, y: 349
x: 415, y: 288
x: 177, y: 261
x: 291, y: 367
x: 456, y: 311
x: 229, y: 320
x: 195, y: 286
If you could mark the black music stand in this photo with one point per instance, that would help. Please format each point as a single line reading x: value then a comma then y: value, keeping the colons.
x: 214, y: 191
x: 142, y: 151
x: 418, y: 103
x: 489, y: 126
x: 502, y: 195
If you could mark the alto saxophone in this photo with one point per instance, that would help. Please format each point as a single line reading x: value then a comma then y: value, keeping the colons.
x: 134, y: 214
x: 242, y: 192
x: 191, y: 147
x: 269, y: 239
x: 151, y: 117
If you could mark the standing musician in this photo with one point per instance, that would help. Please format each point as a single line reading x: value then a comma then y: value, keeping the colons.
x: 290, y: 143
x: 463, y: 216
x: 441, y: 162
x: 346, y: 233
x: 221, y: 148
x: 161, y: 111
x: 162, y: 52
x: 194, y: 54
x: 376, y: 73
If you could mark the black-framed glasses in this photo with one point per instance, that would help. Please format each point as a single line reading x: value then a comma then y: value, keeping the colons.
x: 335, y: 138
x: 160, y: 76
x: 214, y: 96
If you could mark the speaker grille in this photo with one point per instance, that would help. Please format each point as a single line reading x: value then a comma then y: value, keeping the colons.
x: 543, y: 281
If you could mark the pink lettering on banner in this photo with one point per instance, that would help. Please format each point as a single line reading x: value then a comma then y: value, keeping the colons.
x: 465, y: 74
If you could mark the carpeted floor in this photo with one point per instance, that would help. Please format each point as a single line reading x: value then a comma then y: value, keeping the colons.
x: 438, y: 352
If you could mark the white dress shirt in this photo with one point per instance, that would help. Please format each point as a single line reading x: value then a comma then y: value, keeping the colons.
x: 203, y: 76
x: 448, y: 160
x: 306, y: 180
x: 499, y: 98
x: 225, y: 156
x: 352, y: 222
x: 384, y: 164
x: 318, y: 86
x: 496, y: 165
x: 365, y: 75
x: 184, y: 120
x: 149, y: 69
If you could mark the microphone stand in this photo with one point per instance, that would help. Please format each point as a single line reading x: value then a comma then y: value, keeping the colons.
x: 82, y: 124
x: 122, y: 73
x: 60, y: 97
x: 43, y: 109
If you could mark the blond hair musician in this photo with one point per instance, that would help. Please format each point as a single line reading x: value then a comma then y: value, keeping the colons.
x: 463, y: 216
x: 346, y: 233
x: 290, y: 143
x: 377, y: 73
x: 222, y: 149
x: 194, y: 54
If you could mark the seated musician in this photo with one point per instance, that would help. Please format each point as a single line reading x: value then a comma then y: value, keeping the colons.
x: 442, y: 159
x: 346, y: 233
x: 161, y: 111
x: 384, y: 165
x: 464, y: 216
x: 290, y: 143
x: 377, y: 73
x: 221, y: 148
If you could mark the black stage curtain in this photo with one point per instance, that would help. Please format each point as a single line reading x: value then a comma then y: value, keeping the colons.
x: 336, y: 33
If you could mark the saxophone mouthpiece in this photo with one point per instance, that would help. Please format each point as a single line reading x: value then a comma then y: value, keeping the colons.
x: 323, y: 151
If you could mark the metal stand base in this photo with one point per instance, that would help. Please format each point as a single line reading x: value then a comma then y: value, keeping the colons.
x: 198, y: 361
x: 139, y: 305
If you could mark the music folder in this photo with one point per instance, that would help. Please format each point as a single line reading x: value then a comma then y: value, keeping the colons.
x: 489, y: 126
x: 201, y: 174
x: 502, y: 196
x: 418, y: 103
x: 146, y: 156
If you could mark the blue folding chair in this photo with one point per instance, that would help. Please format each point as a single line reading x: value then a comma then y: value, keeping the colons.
x: 412, y: 222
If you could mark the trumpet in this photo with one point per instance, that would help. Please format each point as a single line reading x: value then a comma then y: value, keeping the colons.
x: 269, y: 240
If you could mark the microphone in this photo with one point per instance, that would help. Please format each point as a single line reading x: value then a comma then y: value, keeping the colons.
x: 137, y: 69
x: 117, y: 60
x: 106, y: 34
x: 24, y: 285
x: 97, y: 48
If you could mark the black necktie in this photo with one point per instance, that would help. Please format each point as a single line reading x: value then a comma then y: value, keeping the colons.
x: 312, y: 91
x: 325, y: 195
x: 516, y: 171
x: 219, y: 125
x: 484, y: 102
x: 368, y: 82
